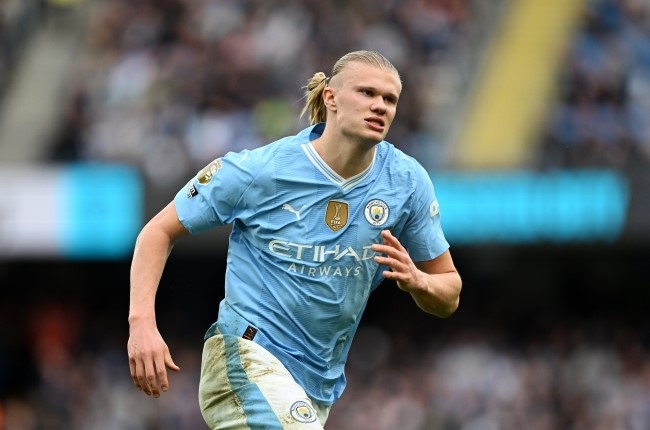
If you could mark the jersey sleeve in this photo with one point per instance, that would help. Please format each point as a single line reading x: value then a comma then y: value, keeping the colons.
x: 213, y: 197
x: 423, y: 235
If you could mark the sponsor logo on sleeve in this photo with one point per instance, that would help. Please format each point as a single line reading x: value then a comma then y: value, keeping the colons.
x: 192, y: 191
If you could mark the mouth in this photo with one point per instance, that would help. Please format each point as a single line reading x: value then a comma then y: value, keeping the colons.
x: 376, y: 123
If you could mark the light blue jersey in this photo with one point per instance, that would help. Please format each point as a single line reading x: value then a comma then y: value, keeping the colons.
x: 300, y: 268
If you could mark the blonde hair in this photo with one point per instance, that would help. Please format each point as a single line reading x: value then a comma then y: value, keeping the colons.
x: 314, y: 103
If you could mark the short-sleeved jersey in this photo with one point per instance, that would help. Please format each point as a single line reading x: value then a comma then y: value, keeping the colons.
x: 300, y: 268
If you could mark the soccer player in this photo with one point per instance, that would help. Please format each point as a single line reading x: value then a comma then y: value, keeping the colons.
x: 319, y: 220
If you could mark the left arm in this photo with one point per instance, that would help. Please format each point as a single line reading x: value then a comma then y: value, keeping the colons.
x: 434, y: 284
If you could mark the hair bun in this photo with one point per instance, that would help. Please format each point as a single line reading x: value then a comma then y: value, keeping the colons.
x: 316, y: 80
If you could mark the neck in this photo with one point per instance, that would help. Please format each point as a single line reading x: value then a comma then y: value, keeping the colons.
x: 347, y: 158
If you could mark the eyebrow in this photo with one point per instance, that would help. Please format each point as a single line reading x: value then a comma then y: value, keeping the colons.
x: 390, y: 94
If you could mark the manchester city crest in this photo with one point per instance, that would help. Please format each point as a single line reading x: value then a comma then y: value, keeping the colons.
x: 376, y: 212
x: 302, y: 412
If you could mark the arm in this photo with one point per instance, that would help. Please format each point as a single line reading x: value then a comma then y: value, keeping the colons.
x: 434, y: 285
x: 149, y: 355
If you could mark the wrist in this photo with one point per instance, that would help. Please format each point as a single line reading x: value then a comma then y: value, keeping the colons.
x: 422, y: 283
x: 136, y: 318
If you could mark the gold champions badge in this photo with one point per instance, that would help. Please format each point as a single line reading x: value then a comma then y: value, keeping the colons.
x: 336, y: 215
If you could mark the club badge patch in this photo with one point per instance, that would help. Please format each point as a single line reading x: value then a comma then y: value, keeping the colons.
x: 376, y: 212
x: 302, y: 412
x: 205, y: 176
x: 336, y: 215
x: 434, y: 208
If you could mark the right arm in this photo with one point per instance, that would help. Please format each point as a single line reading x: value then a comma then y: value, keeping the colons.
x: 149, y: 356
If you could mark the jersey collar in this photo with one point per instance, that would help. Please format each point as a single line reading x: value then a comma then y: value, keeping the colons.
x: 325, y: 169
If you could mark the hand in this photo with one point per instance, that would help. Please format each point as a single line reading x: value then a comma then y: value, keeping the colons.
x: 402, y: 269
x: 149, y: 359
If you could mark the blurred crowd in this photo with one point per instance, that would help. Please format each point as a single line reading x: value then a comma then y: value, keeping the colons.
x: 476, y: 381
x: 587, y: 376
x: 18, y: 19
x: 170, y: 85
x: 601, y: 114
x: 64, y: 367
x: 176, y: 83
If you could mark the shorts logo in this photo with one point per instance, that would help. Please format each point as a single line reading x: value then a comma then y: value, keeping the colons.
x: 208, y: 172
x: 249, y: 333
x: 336, y: 215
x: 376, y: 212
x: 302, y: 412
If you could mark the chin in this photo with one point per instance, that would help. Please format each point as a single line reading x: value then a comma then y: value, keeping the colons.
x: 369, y: 143
x: 367, y: 136
x: 376, y: 137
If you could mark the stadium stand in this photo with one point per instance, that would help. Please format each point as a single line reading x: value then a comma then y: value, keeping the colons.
x: 543, y: 339
x: 179, y: 83
x: 38, y: 48
x: 600, y: 116
x: 17, y: 21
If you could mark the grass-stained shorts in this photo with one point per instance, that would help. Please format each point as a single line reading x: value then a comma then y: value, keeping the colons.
x: 243, y: 386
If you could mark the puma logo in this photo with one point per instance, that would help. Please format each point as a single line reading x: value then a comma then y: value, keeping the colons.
x: 288, y: 207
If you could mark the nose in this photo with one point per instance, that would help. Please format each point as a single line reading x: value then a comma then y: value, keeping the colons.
x: 378, y: 105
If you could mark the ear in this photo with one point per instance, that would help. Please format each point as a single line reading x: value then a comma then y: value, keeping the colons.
x: 329, y: 99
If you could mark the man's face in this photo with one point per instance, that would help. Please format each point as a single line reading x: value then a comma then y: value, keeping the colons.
x: 364, y: 101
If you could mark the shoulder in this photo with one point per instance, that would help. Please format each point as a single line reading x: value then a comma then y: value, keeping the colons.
x: 401, y: 164
x: 256, y: 159
x: 285, y: 144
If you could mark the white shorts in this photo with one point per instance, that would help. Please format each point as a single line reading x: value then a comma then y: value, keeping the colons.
x: 243, y: 386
